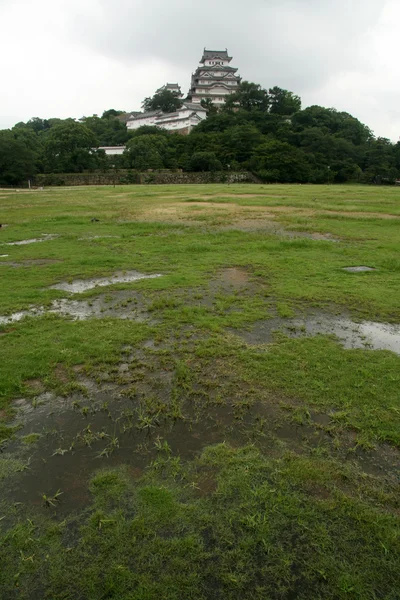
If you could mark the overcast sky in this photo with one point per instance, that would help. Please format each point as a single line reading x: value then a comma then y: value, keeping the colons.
x: 61, y: 58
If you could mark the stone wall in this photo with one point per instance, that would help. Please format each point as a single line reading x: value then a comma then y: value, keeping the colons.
x: 124, y: 177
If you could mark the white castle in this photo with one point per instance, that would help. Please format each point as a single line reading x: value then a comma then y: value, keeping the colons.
x: 214, y: 79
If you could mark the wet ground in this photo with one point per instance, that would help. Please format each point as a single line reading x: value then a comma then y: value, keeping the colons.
x: 366, y: 334
x: 45, y: 237
x: 130, y: 413
x: 360, y: 269
x: 83, y: 285
x: 121, y: 304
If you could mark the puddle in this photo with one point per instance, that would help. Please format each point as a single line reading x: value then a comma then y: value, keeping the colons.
x: 18, y: 316
x: 98, y: 237
x: 33, y: 262
x: 4, y: 255
x: 367, y: 334
x: 124, y: 304
x: 103, y: 431
x: 82, y: 285
x: 358, y: 269
x: 45, y: 237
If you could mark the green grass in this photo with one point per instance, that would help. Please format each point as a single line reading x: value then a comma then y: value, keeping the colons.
x: 232, y: 524
x: 310, y: 515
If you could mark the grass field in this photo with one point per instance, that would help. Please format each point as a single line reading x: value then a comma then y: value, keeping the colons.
x: 228, y: 429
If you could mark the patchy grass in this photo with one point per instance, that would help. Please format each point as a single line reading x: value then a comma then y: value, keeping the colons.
x: 280, y: 528
x: 310, y: 508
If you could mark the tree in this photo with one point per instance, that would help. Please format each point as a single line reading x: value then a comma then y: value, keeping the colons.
x: 17, y: 159
x: 249, y: 96
x: 283, y: 102
x: 146, y: 152
x: 279, y: 161
x: 108, y: 130
x: 240, y: 142
x: 205, y: 161
x: 209, y: 105
x: 112, y: 113
x: 69, y: 148
x: 165, y: 100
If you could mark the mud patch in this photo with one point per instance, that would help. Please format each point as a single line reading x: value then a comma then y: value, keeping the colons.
x: 83, y: 285
x: 234, y: 276
x: 366, y: 335
x: 35, y: 385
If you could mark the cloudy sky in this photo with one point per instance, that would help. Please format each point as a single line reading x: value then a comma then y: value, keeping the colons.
x: 61, y: 58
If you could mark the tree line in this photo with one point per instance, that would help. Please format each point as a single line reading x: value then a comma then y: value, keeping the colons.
x: 263, y: 131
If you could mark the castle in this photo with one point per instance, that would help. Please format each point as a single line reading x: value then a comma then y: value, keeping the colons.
x: 213, y: 80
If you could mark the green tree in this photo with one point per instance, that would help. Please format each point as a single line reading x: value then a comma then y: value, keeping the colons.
x: 279, y: 161
x: 240, y: 142
x: 209, y: 105
x: 205, y: 161
x: 283, y: 102
x: 249, y: 97
x: 165, y: 100
x: 108, y: 130
x: 17, y: 159
x: 146, y: 152
x: 112, y: 113
x: 69, y: 148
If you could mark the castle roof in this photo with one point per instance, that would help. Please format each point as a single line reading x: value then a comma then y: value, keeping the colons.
x: 145, y: 115
x: 193, y: 106
x: 221, y: 54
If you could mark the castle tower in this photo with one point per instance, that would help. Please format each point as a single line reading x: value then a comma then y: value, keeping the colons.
x: 214, y: 78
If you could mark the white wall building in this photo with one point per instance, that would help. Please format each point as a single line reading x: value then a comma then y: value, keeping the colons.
x: 112, y: 150
x: 214, y: 78
x: 181, y: 121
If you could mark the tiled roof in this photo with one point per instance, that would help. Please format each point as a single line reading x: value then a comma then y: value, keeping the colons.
x: 193, y: 106
x: 223, y: 54
x: 146, y: 115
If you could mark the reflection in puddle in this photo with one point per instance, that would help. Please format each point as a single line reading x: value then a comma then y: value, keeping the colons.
x: 361, y: 269
x: 78, y: 436
x: 367, y: 334
x: 98, y: 237
x: 123, y: 304
x: 45, y: 237
x: 18, y: 316
x: 82, y: 285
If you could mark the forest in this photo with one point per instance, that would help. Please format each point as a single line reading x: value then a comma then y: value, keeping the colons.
x: 264, y: 131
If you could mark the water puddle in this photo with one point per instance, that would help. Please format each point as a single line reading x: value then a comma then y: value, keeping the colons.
x: 32, y: 262
x: 83, y: 285
x: 98, y: 237
x: 45, y: 237
x: 74, y: 437
x: 3, y: 255
x: 124, y: 304
x: 367, y: 334
x: 360, y: 269
x: 18, y: 316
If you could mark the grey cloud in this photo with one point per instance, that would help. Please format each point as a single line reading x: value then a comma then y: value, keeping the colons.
x: 299, y: 44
